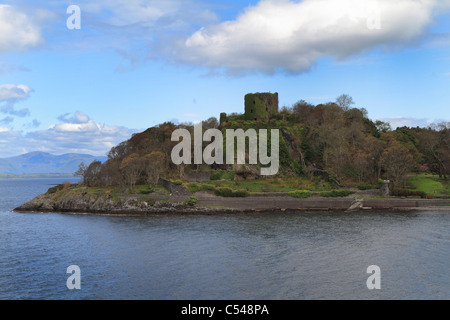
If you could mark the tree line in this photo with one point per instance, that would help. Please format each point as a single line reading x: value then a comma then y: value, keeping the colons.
x: 334, y: 137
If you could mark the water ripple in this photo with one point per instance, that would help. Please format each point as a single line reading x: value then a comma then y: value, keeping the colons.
x: 321, y: 255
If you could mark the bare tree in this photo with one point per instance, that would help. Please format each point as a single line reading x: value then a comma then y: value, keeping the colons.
x: 91, y: 174
x: 81, y: 171
x: 396, y: 161
x: 302, y: 110
x: 435, y: 143
x: 132, y: 167
x: 155, y: 164
x: 345, y: 101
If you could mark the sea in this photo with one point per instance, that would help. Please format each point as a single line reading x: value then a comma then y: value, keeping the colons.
x: 270, y: 256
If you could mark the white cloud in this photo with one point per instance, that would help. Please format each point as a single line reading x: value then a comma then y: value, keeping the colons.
x: 88, y: 137
x: 14, y: 92
x: 401, y: 121
x: 77, y: 118
x: 292, y: 36
x: 18, y: 31
x: 10, y: 94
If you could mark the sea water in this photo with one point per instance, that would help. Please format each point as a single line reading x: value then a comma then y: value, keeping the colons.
x: 303, y: 255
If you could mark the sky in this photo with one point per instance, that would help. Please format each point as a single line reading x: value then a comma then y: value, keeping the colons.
x: 84, y: 81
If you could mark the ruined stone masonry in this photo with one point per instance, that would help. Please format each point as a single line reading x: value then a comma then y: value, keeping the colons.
x: 261, y: 106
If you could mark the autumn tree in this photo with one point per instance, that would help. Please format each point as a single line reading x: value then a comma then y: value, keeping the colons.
x: 120, y: 151
x: 336, y: 154
x: 301, y: 110
x: 344, y: 101
x: 363, y: 164
x: 110, y: 173
x: 397, y: 162
x: 155, y: 165
x: 434, y: 143
x: 81, y: 171
x: 92, y: 174
x: 374, y: 148
x: 211, y: 123
x: 132, y: 167
x: 382, y: 126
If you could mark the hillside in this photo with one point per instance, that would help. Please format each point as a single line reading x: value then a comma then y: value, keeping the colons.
x: 42, y: 163
x: 332, y: 143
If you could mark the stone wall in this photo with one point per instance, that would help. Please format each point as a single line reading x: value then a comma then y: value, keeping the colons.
x: 196, y: 176
x: 260, y: 106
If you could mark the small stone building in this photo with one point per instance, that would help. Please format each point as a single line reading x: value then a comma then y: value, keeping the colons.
x: 261, y: 106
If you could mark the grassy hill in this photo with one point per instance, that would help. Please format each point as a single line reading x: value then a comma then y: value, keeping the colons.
x: 431, y: 184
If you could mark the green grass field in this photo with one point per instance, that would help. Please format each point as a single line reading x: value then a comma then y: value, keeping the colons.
x: 430, y: 184
x: 264, y: 185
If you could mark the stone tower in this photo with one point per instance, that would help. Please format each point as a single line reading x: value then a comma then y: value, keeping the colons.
x: 261, y: 106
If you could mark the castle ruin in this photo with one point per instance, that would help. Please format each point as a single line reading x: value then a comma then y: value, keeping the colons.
x: 261, y: 106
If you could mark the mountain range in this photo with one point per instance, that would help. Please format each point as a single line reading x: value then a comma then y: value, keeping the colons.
x: 42, y: 163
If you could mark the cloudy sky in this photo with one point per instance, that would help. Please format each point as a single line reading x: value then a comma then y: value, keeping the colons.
x: 133, y: 64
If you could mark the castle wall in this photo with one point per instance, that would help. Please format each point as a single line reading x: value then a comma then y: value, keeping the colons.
x: 260, y: 106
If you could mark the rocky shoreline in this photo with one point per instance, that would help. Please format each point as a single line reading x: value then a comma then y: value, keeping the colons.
x: 83, y: 203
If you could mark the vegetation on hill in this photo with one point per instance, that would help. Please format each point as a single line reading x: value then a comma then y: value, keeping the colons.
x: 334, y: 143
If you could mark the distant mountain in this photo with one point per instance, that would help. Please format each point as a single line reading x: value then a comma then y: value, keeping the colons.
x: 41, y: 162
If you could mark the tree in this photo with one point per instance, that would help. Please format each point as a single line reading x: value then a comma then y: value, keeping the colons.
x: 397, y: 162
x: 155, y: 164
x: 375, y: 147
x: 302, y: 110
x: 91, y: 174
x: 119, y: 151
x: 110, y: 173
x: 345, y: 101
x: 435, y: 145
x: 336, y: 155
x: 363, y: 164
x: 132, y: 167
x: 81, y: 171
x: 382, y: 127
x: 211, y: 123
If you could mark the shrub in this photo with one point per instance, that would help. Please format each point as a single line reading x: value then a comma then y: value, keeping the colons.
x: 408, y: 193
x: 367, y: 187
x: 216, y: 175
x: 224, y: 192
x: 336, y: 193
x: 227, y: 192
x: 241, y: 193
x: 192, y: 201
x: 55, y: 189
x: 148, y: 191
x: 207, y: 187
x: 228, y: 175
x: 195, y: 187
x: 222, y: 174
x: 300, y: 193
x: 380, y: 183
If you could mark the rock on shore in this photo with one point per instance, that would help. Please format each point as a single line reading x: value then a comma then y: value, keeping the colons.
x: 82, y: 202
x: 78, y: 200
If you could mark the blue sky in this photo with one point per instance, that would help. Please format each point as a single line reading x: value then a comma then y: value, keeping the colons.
x: 137, y: 63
